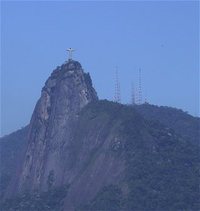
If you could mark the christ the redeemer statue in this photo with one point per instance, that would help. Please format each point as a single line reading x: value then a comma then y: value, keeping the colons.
x: 70, y: 50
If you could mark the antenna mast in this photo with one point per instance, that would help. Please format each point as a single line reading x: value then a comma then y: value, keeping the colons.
x: 140, y: 88
x: 117, y: 96
x: 145, y: 97
x: 133, y: 100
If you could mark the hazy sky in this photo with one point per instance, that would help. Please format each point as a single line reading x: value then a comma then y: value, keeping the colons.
x: 160, y: 37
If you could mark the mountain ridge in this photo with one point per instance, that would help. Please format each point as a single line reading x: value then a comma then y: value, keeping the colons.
x: 81, y: 153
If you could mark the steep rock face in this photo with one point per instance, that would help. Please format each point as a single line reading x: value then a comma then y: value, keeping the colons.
x: 65, y: 93
x: 97, y: 161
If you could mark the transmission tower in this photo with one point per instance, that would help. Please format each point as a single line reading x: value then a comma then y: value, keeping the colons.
x: 117, y: 96
x: 145, y: 97
x: 133, y: 97
x: 140, y: 87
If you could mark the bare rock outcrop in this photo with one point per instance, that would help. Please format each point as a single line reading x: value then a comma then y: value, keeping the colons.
x: 65, y: 93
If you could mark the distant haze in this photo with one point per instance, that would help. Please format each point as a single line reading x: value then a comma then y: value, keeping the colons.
x: 161, y: 38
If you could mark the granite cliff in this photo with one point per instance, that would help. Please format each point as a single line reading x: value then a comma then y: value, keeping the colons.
x: 51, y: 129
x: 81, y: 153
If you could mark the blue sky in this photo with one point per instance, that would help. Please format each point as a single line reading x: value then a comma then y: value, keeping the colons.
x: 159, y: 37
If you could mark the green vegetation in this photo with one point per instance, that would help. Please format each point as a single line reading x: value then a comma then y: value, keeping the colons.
x: 11, y: 148
x: 161, y: 165
x: 184, y: 124
x: 51, y: 200
x: 109, y: 198
x: 162, y: 168
x: 163, y: 175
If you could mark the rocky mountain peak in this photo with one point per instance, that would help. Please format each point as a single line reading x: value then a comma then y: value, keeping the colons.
x: 65, y: 93
x: 68, y: 88
x: 72, y: 64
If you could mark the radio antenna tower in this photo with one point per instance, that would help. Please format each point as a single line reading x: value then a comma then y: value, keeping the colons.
x: 140, y: 87
x: 136, y: 96
x: 133, y: 97
x: 117, y: 96
x: 145, y: 97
